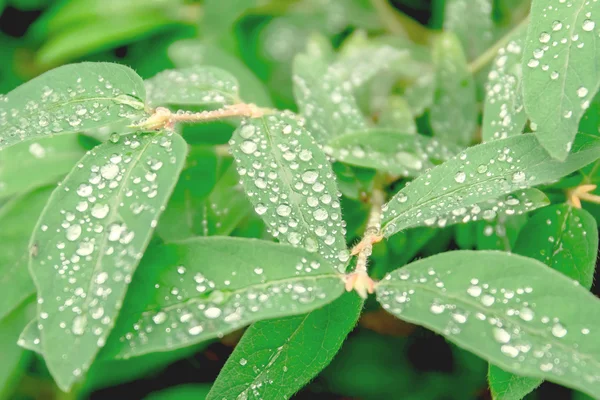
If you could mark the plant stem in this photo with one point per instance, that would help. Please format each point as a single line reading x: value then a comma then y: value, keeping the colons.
x: 480, y: 62
x: 359, y: 280
x: 582, y: 192
x: 400, y: 24
x: 164, y: 118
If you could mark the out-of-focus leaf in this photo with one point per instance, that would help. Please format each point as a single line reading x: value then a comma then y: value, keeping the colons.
x: 397, y: 115
x: 453, y: 114
x: 182, y: 392
x: 471, y: 21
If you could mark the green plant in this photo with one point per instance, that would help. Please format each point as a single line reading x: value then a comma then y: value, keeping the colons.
x: 148, y: 245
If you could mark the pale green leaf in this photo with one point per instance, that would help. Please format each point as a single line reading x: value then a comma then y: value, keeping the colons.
x: 324, y: 98
x: 14, y: 359
x: 480, y: 173
x: 566, y: 239
x: 503, y: 112
x: 289, y: 181
x: 453, y: 114
x: 191, y: 52
x: 420, y: 93
x: 560, y: 71
x: 90, y: 239
x: 193, y: 86
x: 391, y: 151
x: 181, y: 392
x: 204, y: 288
x: 511, y: 310
x: 17, y: 219
x: 29, y: 165
x: 471, y: 21
x: 396, y: 114
x: 69, y: 99
x: 276, y: 358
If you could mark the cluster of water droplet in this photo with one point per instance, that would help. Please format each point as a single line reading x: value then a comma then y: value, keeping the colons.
x: 194, y: 307
x: 464, y: 187
x: 291, y: 185
x: 503, y: 91
x: 192, y: 86
x: 556, y: 44
x: 405, y: 155
x: 471, y: 310
x: 87, y: 246
x: 35, y: 110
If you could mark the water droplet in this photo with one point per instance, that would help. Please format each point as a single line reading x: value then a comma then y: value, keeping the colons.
x: 558, y: 330
x: 248, y: 147
x: 588, y: 25
x: 212, y: 312
x: 460, y: 177
x: 79, y: 325
x: 284, y: 210
x: 501, y: 335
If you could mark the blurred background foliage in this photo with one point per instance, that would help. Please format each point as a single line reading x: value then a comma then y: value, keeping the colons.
x: 256, y: 40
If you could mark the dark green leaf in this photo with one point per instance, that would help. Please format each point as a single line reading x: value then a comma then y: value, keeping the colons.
x: 276, y: 358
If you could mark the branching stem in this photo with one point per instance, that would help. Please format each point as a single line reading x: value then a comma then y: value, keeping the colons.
x: 165, y: 118
x: 582, y: 192
x: 359, y: 280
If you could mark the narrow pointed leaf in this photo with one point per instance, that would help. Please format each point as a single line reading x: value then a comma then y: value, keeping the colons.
x: 420, y: 94
x: 397, y: 115
x: 322, y: 97
x: 90, y: 239
x: 33, y: 164
x: 69, y: 99
x: 203, y: 86
x: 203, y: 288
x: 566, y: 239
x: 276, y: 358
x: 481, y: 173
x: 560, y: 71
x: 453, y: 114
x: 289, y: 181
x: 511, y: 310
x: 472, y: 23
x: 390, y: 151
x: 503, y: 112
x: 18, y: 218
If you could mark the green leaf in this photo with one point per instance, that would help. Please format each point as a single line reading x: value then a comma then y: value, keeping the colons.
x: 503, y: 112
x: 67, y: 44
x: 30, y: 165
x: 276, y: 358
x: 472, y: 23
x: 193, y: 86
x: 206, y: 201
x: 511, y: 310
x: 507, y: 386
x: 90, y: 239
x: 324, y: 99
x: 560, y: 74
x: 397, y: 115
x: 502, y: 232
x: 480, y: 173
x: 289, y: 181
x: 420, y: 93
x: 18, y: 218
x: 566, y: 239
x: 192, y: 52
x: 14, y: 358
x: 68, y: 99
x: 390, y: 151
x: 453, y: 114
x: 204, y: 288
